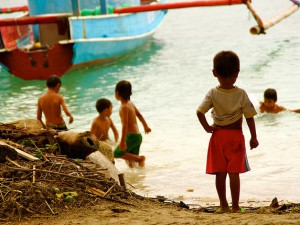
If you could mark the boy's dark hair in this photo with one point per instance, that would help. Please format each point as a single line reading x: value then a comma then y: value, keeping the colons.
x: 53, y: 80
x: 226, y: 63
x: 123, y: 88
x: 270, y: 93
x: 102, y: 104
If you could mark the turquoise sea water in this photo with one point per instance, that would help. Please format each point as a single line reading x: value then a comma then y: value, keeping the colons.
x: 170, y: 77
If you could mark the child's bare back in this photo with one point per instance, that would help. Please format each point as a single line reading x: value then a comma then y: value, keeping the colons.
x: 129, y: 109
x: 50, y: 104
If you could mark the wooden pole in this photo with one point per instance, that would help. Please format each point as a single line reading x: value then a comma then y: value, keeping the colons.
x: 46, y: 171
x: 109, y: 189
x: 14, y: 9
x: 177, y: 5
x: 122, y: 180
x: 33, y: 174
x: 255, y: 15
x: 271, y: 22
x: 76, y: 7
x: 103, y: 6
x: 52, y: 18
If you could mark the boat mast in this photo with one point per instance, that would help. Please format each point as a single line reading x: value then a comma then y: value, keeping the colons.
x: 76, y: 7
x: 103, y: 6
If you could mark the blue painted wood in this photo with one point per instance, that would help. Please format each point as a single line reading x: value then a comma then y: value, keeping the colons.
x: 75, y: 7
x: 39, y: 7
x: 85, y: 52
x: 103, y: 7
x: 99, y: 38
x: 115, y: 26
x: 102, y: 37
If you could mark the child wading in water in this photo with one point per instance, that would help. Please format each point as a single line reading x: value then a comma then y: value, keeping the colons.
x: 227, y: 151
x: 50, y: 104
x: 131, y: 138
x: 269, y: 105
x: 102, y: 123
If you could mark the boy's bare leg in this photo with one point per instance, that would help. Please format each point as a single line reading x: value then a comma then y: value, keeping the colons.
x: 131, y: 157
x: 221, y: 189
x: 142, y: 161
x: 235, y: 191
x: 129, y: 163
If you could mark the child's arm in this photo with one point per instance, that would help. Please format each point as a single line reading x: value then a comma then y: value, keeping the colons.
x: 280, y: 108
x: 124, y: 121
x: 251, y: 125
x: 39, y: 114
x: 295, y: 110
x: 114, y: 129
x: 205, y: 125
x: 63, y: 104
x: 143, y: 121
x: 262, y: 108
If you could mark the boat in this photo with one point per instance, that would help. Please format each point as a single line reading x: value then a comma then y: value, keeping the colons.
x: 56, y: 36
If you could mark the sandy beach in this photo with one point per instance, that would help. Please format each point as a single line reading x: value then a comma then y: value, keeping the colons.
x: 147, y: 211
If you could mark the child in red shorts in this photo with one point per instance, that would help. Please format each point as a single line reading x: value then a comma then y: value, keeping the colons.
x: 226, y: 151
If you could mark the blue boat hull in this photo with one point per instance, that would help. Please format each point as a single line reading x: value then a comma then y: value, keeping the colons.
x: 62, y: 42
x: 101, y: 39
x: 97, y: 52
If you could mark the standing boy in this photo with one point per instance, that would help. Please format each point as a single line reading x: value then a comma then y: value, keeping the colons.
x: 50, y: 104
x: 227, y: 151
x: 102, y: 123
x: 131, y: 139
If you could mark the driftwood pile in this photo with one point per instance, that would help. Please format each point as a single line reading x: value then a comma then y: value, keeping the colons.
x: 38, y: 180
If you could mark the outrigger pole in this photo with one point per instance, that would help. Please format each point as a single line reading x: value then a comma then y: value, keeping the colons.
x: 259, y: 29
x: 262, y: 26
x: 177, y: 5
x: 14, y: 9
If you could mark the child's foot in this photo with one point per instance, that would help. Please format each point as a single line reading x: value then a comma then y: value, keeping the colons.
x: 240, y: 210
x: 130, y: 163
x: 142, y: 161
x: 222, y: 210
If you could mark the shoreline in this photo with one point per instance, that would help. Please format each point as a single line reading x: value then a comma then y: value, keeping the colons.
x: 146, y: 211
x: 52, y: 194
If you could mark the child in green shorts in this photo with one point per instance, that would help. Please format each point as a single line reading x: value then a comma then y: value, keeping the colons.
x: 131, y: 138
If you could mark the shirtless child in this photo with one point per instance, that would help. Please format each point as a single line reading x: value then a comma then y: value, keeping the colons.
x: 269, y: 104
x: 50, y: 104
x: 131, y: 139
x: 102, y: 123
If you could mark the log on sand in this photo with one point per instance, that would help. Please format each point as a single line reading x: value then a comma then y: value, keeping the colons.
x: 29, y: 132
x: 80, y: 145
x: 77, y: 144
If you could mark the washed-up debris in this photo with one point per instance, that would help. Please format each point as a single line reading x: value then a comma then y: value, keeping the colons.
x: 37, y: 180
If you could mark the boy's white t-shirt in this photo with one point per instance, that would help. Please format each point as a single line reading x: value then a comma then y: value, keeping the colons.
x: 228, y: 106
